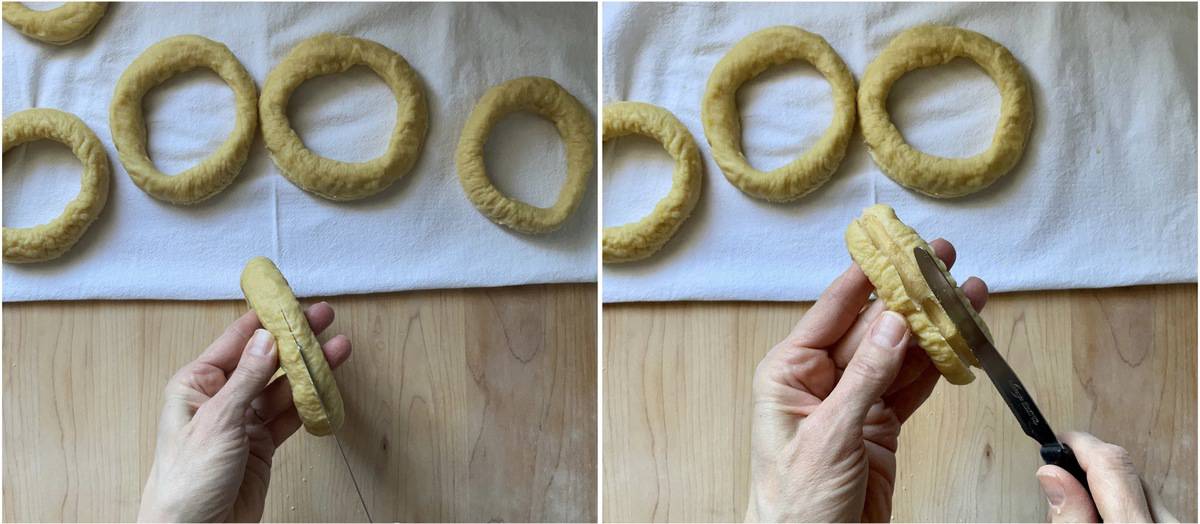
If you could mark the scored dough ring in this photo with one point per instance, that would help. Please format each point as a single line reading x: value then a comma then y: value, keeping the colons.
x: 59, y: 26
x: 882, y: 247
x: 722, y: 123
x: 314, y: 391
x: 638, y: 240
x: 577, y: 129
x: 941, y: 177
x: 52, y: 239
x: 327, y: 54
x: 150, y: 69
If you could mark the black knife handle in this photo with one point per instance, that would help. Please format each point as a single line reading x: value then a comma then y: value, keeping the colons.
x: 1059, y: 454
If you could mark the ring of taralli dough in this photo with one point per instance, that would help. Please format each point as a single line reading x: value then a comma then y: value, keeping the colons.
x: 327, y: 54
x: 154, y: 66
x: 882, y: 247
x: 722, y: 122
x: 638, y: 240
x: 546, y: 98
x: 314, y: 391
x: 927, y: 46
x: 50, y: 240
x: 60, y: 26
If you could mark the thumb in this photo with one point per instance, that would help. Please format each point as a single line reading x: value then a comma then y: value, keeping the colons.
x: 1069, y: 501
x: 258, y: 363
x: 872, y: 369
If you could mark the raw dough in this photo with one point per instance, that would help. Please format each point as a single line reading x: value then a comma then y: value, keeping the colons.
x: 50, y: 240
x: 927, y: 46
x: 638, y: 240
x: 882, y: 246
x: 326, y: 54
x: 722, y: 123
x: 154, y: 66
x: 314, y: 392
x: 60, y: 26
x: 577, y: 129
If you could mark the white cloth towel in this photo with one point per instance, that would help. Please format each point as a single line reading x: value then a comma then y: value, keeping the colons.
x: 420, y: 233
x: 1104, y: 196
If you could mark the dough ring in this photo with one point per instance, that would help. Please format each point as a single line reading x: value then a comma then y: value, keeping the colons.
x: 576, y: 127
x: 153, y: 67
x: 882, y: 247
x: 638, y: 240
x: 52, y: 239
x: 60, y: 26
x: 314, y: 392
x: 927, y: 46
x: 327, y: 54
x: 722, y: 123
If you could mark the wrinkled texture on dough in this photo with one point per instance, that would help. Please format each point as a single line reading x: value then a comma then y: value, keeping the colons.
x: 928, y: 46
x: 638, y: 240
x: 314, y: 391
x: 882, y: 247
x: 154, y: 66
x: 327, y: 54
x: 60, y: 26
x: 722, y: 123
x: 52, y: 239
x: 545, y: 98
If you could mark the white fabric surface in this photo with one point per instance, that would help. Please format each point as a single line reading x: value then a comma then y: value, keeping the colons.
x: 420, y: 233
x: 1105, y: 194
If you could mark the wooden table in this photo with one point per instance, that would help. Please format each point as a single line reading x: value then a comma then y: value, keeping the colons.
x: 1120, y: 363
x: 474, y: 405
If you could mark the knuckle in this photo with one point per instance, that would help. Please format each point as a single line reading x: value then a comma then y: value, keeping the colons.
x: 1115, y: 457
x: 868, y: 368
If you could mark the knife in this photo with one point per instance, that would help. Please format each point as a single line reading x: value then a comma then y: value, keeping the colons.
x: 1014, y: 393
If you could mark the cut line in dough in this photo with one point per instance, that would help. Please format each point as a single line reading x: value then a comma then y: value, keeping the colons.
x: 882, y: 247
x: 154, y: 66
x: 314, y: 391
x: 549, y: 100
x: 941, y: 177
x: 722, y: 122
x: 59, y: 26
x: 639, y: 240
x: 50, y: 240
x: 327, y: 54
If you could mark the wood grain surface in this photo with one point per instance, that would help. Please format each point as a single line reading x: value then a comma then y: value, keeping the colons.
x: 462, y: 405
x: 1120, y: 363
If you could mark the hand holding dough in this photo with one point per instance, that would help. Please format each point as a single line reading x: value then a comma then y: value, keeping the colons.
x: 314, y: 391
x: 882, y: 246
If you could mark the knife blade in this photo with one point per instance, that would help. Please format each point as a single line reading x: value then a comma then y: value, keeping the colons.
x: 1001, y: 374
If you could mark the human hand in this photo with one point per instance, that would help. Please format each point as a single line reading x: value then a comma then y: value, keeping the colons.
x: 222, y: 422
x: 829, y: 402
x: 1118, y: 492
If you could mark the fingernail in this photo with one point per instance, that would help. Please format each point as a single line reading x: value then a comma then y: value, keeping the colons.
x: 888, y: 330
x: 1053, y: 490
x: 262, y: 343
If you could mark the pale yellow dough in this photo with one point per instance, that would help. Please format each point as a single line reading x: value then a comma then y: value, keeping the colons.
x: 722, y: 123
x: 314, y: 391
x: 154, y: 66
x: 327, y: 54
x: 60, y: 26
x: 50, y: 240
x: 546, y: 98
x: 638, y: 240
x: 928, y: 46
x: 882, y: 247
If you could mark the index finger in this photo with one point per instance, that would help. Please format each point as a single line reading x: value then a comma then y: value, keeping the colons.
x: 834, y: 311
x: 1112, y: 478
